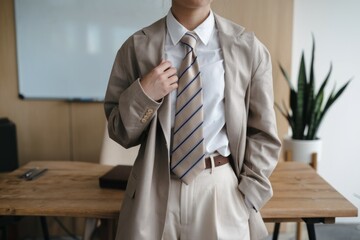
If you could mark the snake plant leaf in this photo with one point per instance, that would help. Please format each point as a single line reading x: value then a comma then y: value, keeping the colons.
x: 333, y: 96
x: 289, y: 117
x: 286, y: 76
x: 282, y: 111
x: 285, y: 107
x: 316, y: 108
x: 341, y: 90
x: 323, y: 85
x: 306, y: 107
x: 309, y: 100
x: 293, y: 101
x: 312, y: 75
x: 285, y: 113
x: 292, y: 97
x: 316, y: 114
x: 301, y: 88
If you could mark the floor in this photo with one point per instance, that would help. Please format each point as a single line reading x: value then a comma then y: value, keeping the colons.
x: 323, y: 232
x: 326, y: 232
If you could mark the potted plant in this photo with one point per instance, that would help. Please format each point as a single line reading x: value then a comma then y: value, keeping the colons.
x: 306, y: 110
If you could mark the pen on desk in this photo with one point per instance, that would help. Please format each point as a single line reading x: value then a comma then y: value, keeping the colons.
x: 28, y: 173
x: 36, y: 174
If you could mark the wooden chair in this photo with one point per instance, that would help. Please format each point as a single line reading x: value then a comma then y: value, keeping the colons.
x: 313, y: 163
x: 111, y: 154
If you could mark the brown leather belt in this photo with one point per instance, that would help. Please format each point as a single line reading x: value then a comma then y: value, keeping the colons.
x: 218, y: 161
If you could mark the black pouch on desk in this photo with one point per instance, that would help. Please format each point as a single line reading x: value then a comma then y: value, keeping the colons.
x: 116, y: 178
x: 8, y: 146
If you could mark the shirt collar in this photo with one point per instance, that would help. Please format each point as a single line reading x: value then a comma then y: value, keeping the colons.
x: 177, y: 31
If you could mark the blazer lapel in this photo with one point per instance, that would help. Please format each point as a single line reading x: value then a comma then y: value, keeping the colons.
x: 149, y: 52
x: 229, y: 37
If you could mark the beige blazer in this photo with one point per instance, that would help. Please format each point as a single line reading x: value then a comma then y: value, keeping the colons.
x: 135, y: 119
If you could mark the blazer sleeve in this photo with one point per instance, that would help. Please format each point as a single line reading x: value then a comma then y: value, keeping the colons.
x: 262, y: 142
x: 127, y: 108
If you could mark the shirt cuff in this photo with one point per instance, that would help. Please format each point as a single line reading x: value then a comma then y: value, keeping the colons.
x: 157, y: 102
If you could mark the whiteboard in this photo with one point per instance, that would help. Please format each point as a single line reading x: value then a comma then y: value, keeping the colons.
x: 66, y: 48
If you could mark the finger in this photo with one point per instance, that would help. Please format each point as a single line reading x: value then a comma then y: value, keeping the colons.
x: 162, y: 61
x: 163, y: 66
x: 173, y: 80
x: 171, y: 72
x: 173, y: 86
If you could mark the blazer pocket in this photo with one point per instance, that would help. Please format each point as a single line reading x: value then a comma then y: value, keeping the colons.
x: 131, y: 187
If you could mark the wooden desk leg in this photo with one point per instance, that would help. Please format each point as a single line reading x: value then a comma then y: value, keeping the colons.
x: 276, y: 231
x: 44, y: 228
x: 313, y: 164
x: 298, y: 230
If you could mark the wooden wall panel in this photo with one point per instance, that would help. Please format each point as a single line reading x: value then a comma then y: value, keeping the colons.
x: 88, y: 126
x: 271, y: 20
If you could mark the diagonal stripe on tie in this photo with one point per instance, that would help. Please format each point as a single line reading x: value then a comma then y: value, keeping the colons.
x: 187, y: 120
x: 184, y: 157
x: 192, y: 166
x: 188, y: 136
x: 195, y: 78
x: 187, y: 155
x: 188, y: 101
x: 187, y: 68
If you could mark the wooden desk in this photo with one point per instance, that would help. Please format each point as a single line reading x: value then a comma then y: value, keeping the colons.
x: 66, y: 189
x: 300, y: 194
x: 71, y: 189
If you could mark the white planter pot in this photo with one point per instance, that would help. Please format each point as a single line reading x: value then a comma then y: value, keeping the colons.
x: 302, y: 150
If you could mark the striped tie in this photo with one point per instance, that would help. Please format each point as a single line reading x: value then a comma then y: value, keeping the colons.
x: 188, y: 151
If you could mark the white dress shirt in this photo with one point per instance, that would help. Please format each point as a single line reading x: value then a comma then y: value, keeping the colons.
x: 210, y: 60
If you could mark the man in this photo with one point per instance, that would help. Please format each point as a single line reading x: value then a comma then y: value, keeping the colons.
x: 209, y: 182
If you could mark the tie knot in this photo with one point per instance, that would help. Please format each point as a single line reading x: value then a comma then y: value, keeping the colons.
x: 189, y: 39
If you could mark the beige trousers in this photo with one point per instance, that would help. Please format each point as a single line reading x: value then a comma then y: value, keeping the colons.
x: 210, y: 208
